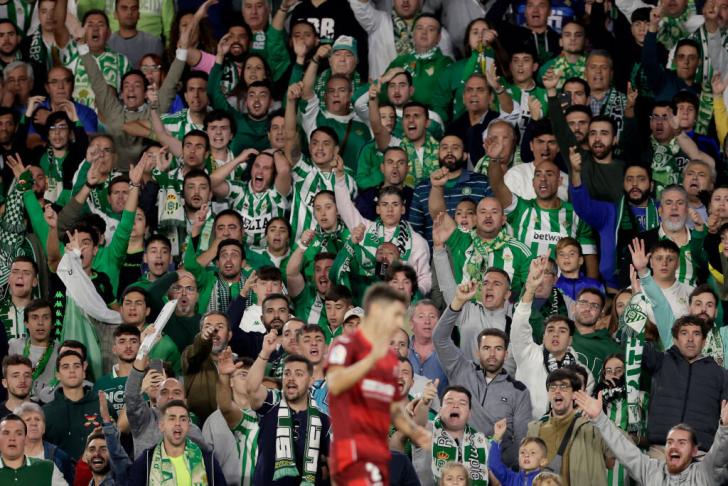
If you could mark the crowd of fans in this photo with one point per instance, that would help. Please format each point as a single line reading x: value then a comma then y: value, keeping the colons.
x: 364, y: 242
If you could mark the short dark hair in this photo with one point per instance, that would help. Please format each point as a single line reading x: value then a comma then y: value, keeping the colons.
x: 339, y: 292
x: 83, y: 227
x: 308, y: 329
x: 127, y: 330
x: 77, y: 345
x: 279, y: 219
x: 26, y: 259
x: 382, y: 292
x: 268, y: 273
x: 459, y: 389
x: 426, y: 15
x: 193, y: 75
x: 36, y: 304
x: 401, y: 267
x: 561, y: 318
x: 686, y: 428
x: 581, y: 81
x: 15, y: 360
x: 689, y: 320
x: 593, y: 291
x: 605, y: 119
x: 95, y: 11
x: 11, y: 417
x: 68, y: 352
x: 200, y: 134
x: 328, y: 131
x: 297, y: 358
x: 685, y: 96
x: 194, y: 174
x: 390, y: 191
x: 686, y: 41
x: 324, y: 255
x: 700, y: 289
x: 230, y: 242
x: 541, y: 127
x: 636, y: 163
x: 416, y: 104
x: 95, y: 434
x: 565, y: 374
x: 277, y: 296
x: 138, y: 290
x: 667, y: 245
x: 217, y: 115
x: 228, y: 212
x: 174, y: 403
x: 499, y: 271
x: 135, y: 72
x: 158, y: 237
x: 578, y: 109
x: 493, y: 331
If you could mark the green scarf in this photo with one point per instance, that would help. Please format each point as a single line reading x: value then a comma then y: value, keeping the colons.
x: 170, y: 213
x: 713, y: 346
x: 223, y: 293
x: 472, y: 452
x: 703, y: 75
x: 614, y: 107
x: 403, y: 43
x: 569, y: 69
x: 665, y: 170
x: 38, y: 51
x: 374, y: 237
x: 285, y: 461
x: 477, y: 257
x: 162, y: 470
x: 42, y: 362
x: 230, y: 77
x: 430, y: 160
x: 673, y: 29
x: 633, y: 321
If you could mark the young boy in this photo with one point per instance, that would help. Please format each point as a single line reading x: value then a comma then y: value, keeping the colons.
x: 338, y: 301
x: 570, y: 259
x: 531, y: 459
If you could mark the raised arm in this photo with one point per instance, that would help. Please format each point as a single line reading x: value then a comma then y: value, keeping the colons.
x: 295, y: 281
x: 61, y: 33
x: 309, y: 77
x: 218, y: 179
x: 451, y: 357
x: 521, y: 331
x: 382, y: 136
x: 292, y: 145
x: 254, y: 382
x: 495, y: 151
x: 436, y: 201
x: 347, y: 210
x: 283, y: 182
x: 223, y: 393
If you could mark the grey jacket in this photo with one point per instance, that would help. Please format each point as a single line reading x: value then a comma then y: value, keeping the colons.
x: 224, y: 446
x: 144, y: 419
x: 652, y: 472
x: 502, y: 397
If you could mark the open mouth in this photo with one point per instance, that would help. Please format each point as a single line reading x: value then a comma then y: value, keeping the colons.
x: 454, y: 415
x: 98, y: 462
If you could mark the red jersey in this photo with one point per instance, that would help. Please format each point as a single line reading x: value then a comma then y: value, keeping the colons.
x: 360, y: 417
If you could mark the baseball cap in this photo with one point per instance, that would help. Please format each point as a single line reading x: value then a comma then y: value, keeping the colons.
x: 354, y: 311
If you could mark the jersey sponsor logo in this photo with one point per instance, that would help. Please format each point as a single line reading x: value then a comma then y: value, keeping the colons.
x: 255, y: 224
x: 337, y: 356
x: 546, y: 236
x: 377, y: 390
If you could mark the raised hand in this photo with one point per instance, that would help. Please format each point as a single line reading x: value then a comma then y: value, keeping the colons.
x: 640, y: 259
x: 374, y: 89
x: 223, y: 47
x: 697, y: 219
x: 270, y: 342
x: 438, y: 239
x: 225, y: 363
x: 632, y: 94
x: 74, y: 241
x: 390, y: 74
x: 499, y: 429
x: 151, y: 382
x: 249, y: 284
x: 489, y: 36
x: 137, y: 172
x: 494, y: 148
x: 492, y: 78
x: 713, y: 222
x: 337, y: 165
x: 718, y: 85
x: 323, y: 52
x: 50, y: 216
x: 93, y: 176
x: 465, y: 292
x: 295, y: 91
x: 357, y: 234
x: 575, y: 159
x: 152, y: 96
x: 204, y: 8
x: 673, y: 121
x: 536, y: 273
x: 16, y: 165
x: 592, y: 407
x: 104, y: 408
x: 534, y: 106
x: 163, y: 159
x: 439, y: 177
x: 551, y: 79
x: 70, y: 108
x: 307, y: 237
x: 634, y: 280
x: 299, y: 48
x: 33, y: 103
x: 429, y: 392
x: 655, y: 17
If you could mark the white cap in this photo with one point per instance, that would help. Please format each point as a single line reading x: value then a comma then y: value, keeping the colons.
x: 354, y: 311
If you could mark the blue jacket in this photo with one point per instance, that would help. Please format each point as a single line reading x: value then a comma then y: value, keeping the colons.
x: 572, y: 286
x: 139, y: 472
x: 505, y: 475
x: 63, y: 461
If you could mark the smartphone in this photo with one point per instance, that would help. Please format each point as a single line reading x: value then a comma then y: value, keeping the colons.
x: 157, y: 365
x: 565, y: 99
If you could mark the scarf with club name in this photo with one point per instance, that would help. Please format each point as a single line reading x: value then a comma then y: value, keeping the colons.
x: 161, y: 472
x: 628, y: 226
x: 665, y: 165
x: 472, y: 452
x: 230, y: 77
x: 38, y: 51
x: 374, y: 237
x: 614, y: 107
x: 285, y: 461
x: 403, y: 42
x: 703, y: 76
x: 552, y: 364
x: 713, y: 346
x: 632, y: 332
x: 478, y: 255
x: 170, y: 205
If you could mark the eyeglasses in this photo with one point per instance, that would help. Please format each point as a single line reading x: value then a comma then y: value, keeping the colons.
x: 151, y: 68
x: 613, y: 371
x: 559, y: 386
x: 57, y: 127
x: 180, y: 289
x: 591, y: 305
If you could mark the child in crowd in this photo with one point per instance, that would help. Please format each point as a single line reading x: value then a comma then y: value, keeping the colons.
x: 531, y: 459
x: 570, y: 259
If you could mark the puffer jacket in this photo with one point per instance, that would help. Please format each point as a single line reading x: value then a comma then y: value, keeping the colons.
x: 684, y: 392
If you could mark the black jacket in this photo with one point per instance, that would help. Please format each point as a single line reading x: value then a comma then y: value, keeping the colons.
x: 684, y: 392
x: 139, y: 472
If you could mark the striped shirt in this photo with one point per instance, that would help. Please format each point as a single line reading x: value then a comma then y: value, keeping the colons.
x: 309, y: 180
x: 19, y: 12
x: 469, y: 185
x: 617, y: 413
x: 256, y: 210
x: 686, y: 265
x: 540, y: 229
x: 246, y: 437
x: 112, y: 64
x: 180, y: 124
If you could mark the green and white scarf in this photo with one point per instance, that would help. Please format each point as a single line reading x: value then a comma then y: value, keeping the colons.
x: 673, y: 29
x: 703, y: 76
x: 38, y: 51
x: 634, y: 320
x: 230, y: 77
x: 285, y: 461
x: 569, y: 69
x: 419, y: 170
x: 713, y: 346
x: 665, y: 167
x: 614, y: 108
x: 472, y: 452
x: 222, y: 294
x: 478, y: 256
x: 402, y: 35
x: 161, y: 472
x: 374, y: 237
x: 170, y: 205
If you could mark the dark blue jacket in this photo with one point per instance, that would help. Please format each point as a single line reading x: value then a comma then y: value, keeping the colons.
x: 139, y: 472
x: 63, y: 461
x: 505, y: 475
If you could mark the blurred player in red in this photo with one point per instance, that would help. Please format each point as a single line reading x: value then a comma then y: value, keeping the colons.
x: 361, y: 373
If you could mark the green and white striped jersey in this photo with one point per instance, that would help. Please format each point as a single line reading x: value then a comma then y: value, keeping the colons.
x: 309, y: 180
x: 687, y: 263
x: 246, y: 438
x: 540, y: 229
x: 18, y: 12
x: 112, y: 64
x: 256, y: 210
x: 180, y: 124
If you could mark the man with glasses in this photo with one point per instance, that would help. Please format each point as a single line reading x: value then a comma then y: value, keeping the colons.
x: 59, y: 86
x: 576, y: 450
x: 592, y: 345
x: 535, y: 361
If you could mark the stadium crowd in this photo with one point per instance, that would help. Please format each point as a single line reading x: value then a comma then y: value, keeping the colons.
x: 364, y: 242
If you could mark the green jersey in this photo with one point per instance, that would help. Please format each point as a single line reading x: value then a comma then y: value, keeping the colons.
x: 256, y: 209
x: 308, y: 180
x: 472, y: 258
x: 180, y: 124
x: 112, y: 64
x: 425, y: 70
x: 422, y: 162
x: 113, y: 387
x: 591, y: 349
x: 540, y: 229
x: 246, y: 438
x: 263, y: 258
x: 309, y: 304
x: 18, y: 12
x: 692, y: 255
